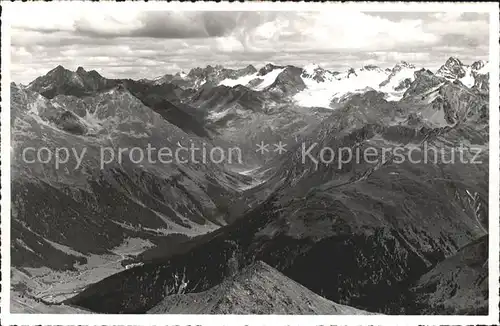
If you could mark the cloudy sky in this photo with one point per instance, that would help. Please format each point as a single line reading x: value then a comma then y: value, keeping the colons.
x: 151, y: 43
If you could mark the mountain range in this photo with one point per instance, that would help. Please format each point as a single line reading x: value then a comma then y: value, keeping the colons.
x: 362, y: 237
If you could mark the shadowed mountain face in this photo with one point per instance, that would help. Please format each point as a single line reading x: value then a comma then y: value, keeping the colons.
x: 288, y: 81
x: 163, y: 98
x: 197, y: 77
x: 87, y: 199
x: 243, y: 116
x: 453, y: 68
x: 363, y: 230
x: 457, y: 285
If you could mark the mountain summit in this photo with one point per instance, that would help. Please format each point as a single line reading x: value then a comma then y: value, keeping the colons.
x: 63, y: 81
x: 454, y: 69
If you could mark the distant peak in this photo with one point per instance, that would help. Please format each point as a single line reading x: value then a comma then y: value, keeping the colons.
x: 407, y: 64
x: 311, y: 68
x: 423, y: 73
x: 478, y: 64
x: 350, y: 72
x: 453, y: 61
x: 58, y: 69
x: 267, y: 68
x: 404, y: 64
x: 212, y: 68
x: 370, y: 67
x: 452, y: 69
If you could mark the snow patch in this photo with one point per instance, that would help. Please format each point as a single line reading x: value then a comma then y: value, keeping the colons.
x: 214, y: 116
x: 310, y: 68
x: 265, y: 81
x: 268, y: 79
x: 320, y: 94
x: 244, y: 80
x: 485, y: 69
x: 395, y: 81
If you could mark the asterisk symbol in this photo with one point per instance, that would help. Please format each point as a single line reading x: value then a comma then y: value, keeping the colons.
x: 280, y: 147
x: 262, y: 148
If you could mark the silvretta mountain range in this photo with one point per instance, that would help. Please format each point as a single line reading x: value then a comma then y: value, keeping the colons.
x: 273, y: 235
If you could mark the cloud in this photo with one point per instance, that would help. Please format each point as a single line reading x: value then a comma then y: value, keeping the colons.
x: 151, y: 43
x: 159, y: 24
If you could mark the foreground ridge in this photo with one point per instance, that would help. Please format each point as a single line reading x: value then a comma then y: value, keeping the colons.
x: 257, y: 289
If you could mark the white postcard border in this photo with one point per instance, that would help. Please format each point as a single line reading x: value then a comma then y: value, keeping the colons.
x: 7, y: 318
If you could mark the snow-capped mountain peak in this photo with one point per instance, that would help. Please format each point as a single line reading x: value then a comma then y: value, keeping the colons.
x: 399, y: 79
x: 333, y: 88
x: 454, y: 69
x: 311, y: 68
x: 267, y: 69
x: 478, y: 65
x: 453, y: 61
x: 57, y: 70
x: 257, y: 80
x: 317, y: 73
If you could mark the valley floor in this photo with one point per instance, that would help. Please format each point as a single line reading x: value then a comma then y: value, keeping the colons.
x: 51, y: 286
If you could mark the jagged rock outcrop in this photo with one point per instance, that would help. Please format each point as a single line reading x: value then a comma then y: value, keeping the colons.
x: 398, y: 68
x: 267, y: 69
x: 452, y: 69
x: 478, y: 65
x: 425, y: 81
x: 443, y: 102
x: 315, y: 73
x: 472, y: 76
x: 371, y: 68
x: 63, y: 81
x: 288, y: 82
x: 350, y: 72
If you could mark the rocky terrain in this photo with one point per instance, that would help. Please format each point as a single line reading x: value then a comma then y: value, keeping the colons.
x: 402, y: 234
x: 457, y: 285
x: 257, y: 289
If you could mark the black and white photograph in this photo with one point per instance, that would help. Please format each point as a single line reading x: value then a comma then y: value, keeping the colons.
x: 249, y: 159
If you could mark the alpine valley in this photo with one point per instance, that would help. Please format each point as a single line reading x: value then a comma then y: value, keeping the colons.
x: 273, y: 233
